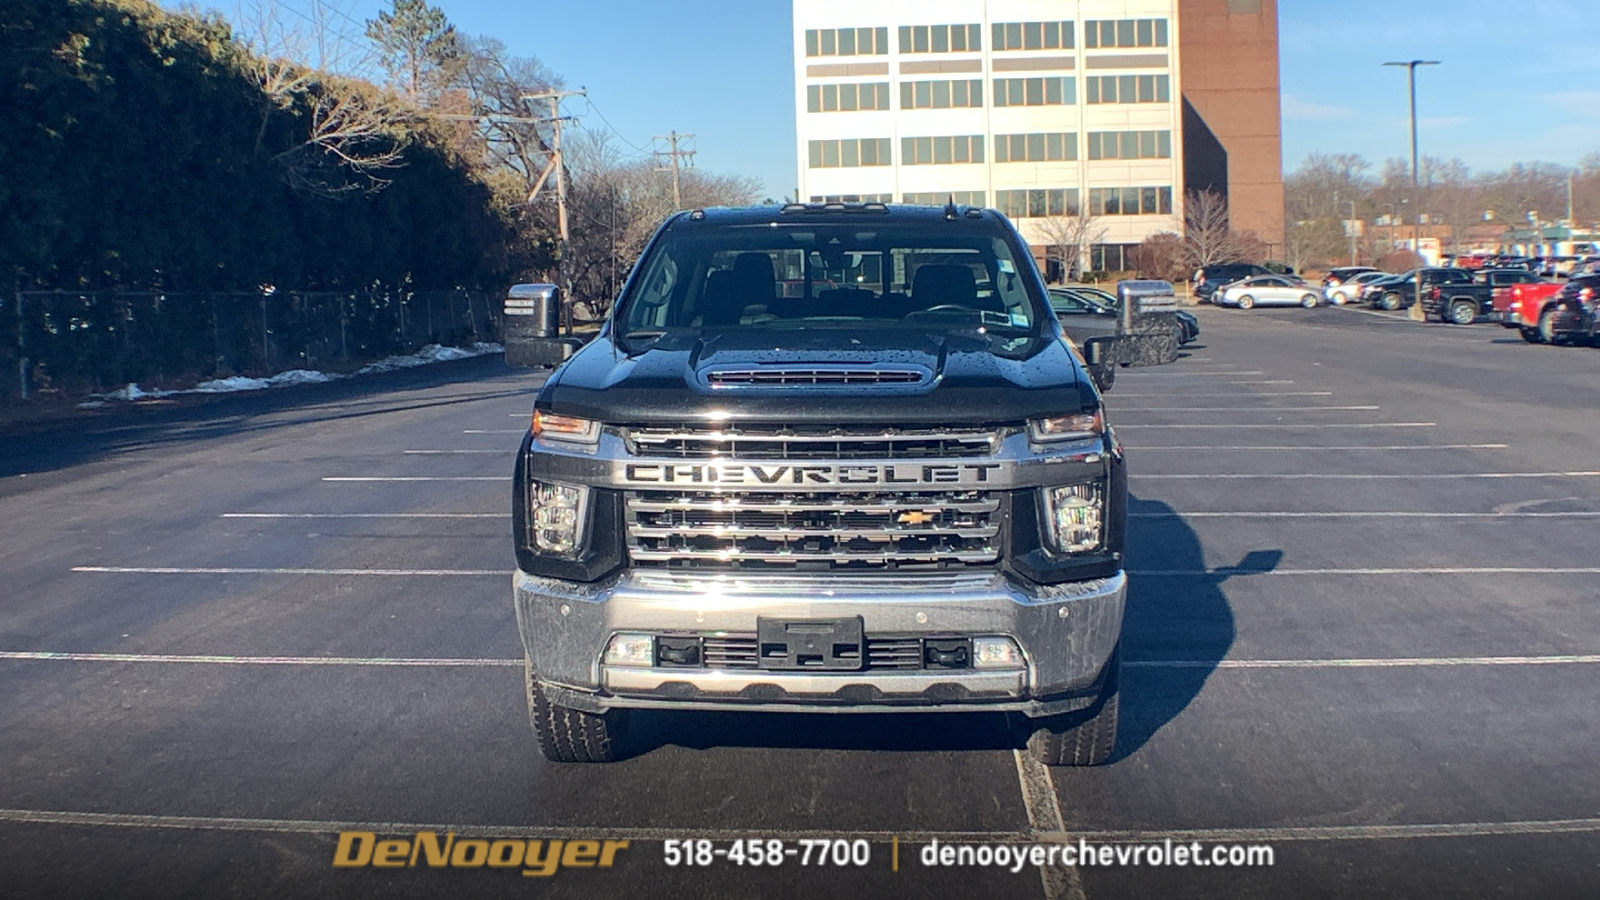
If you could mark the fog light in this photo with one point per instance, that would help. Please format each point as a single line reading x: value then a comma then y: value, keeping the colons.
x: 996, y: 653
x: 638, y: 650
x: 557, y: 513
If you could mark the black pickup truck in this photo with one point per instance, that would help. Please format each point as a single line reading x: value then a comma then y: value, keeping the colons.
x: 1460, y: 302
x: 1400, y: 291
x: 888, y: 486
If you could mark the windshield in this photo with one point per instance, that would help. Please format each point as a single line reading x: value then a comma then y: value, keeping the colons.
x: 933, y: 277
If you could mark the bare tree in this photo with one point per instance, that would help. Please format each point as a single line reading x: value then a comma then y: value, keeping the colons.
x: 1209, y: 236
x: 346, y: 133
x: 1068, y: 239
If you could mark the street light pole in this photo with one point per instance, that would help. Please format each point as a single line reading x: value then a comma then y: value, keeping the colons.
x: 1416, y: 183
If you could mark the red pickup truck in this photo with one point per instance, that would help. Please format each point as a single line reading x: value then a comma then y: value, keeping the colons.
x: 1520, y: 305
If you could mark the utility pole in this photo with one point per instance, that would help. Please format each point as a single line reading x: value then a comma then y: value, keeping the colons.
x: 558, y: 163
x: 1416, y: 182
x: 1352, y: 232
x: 675, y: 155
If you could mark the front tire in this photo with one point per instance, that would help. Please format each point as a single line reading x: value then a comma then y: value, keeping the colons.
x: 1547, y: 328
x: 1390, y: 301
x: 1247, y: 302
x: 1086, y: 737
x: 572, y: 735
x: 1309, y: 301
x: 1463, y: 312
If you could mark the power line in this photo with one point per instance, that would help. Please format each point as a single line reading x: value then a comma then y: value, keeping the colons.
x: 613, y: 128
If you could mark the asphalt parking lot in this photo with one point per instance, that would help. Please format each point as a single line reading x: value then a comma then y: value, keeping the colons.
x: 1362, y: 629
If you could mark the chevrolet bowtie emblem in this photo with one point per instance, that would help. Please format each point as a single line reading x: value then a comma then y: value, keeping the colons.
x: 915, y: 517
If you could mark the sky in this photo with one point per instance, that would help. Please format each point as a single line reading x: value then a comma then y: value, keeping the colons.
x: 1518, y: 81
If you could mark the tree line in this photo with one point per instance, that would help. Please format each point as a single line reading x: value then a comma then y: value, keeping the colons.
x: 148, y: 149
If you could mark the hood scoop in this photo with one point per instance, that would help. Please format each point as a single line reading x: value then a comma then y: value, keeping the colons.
x: 816, y: 375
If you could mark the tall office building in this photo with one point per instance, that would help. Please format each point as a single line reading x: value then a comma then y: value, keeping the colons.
x: 1038, y: 108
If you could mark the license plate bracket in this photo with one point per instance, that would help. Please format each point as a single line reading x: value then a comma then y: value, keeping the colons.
x: 827, y: 645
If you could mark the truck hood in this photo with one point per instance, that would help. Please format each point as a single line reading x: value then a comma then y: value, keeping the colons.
x: 817, y: 376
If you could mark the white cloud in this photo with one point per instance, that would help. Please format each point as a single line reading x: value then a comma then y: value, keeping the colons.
x: 1575, y: 103
x: 1295, y: 108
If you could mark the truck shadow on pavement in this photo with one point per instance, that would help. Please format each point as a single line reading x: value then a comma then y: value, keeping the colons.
x: 1176, y: 630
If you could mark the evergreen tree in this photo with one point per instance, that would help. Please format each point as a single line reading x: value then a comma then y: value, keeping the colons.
x: 417, y: 46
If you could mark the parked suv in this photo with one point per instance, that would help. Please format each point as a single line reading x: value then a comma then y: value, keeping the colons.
x: 1207, y: 279
x: 893, y: 489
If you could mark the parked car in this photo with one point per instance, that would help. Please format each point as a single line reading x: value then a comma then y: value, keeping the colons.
x: 1268, y: 290
x: 1401, y: 291
x: 1338, y: 275
x: 1207, y: 279
x: 1462, y: 303
x: 1349, y: 291
x: 1190, y: 324
x: 1570, y: 317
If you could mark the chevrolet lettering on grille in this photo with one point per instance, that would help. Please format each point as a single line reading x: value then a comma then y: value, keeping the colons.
x: 899, y: 474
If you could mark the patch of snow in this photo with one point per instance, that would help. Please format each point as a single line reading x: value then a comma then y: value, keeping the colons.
x: 430, y: 354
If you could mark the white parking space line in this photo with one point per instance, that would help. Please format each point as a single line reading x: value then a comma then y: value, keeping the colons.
x: 459, y: 452
x: 1177, y: 395
x: 412, y: 515
x: 1347, y: 832
x: 41, y: 656
x: 1446, y: 570
x: 495, y: 431
x: 588, y: 832
x: 1242, y: 409
x: 1341, y: 449
x: 1061, y: 882
x: 1187, y: 374
x: 573, y: 832
x: 1366, y: 476
x: 348, y: 478
x: 1273, y: 381
x: 1365, y: 515
x: 251, y: 570
x: 1039, y: 811
x: 1421, y: 662
x: 1285, y: 425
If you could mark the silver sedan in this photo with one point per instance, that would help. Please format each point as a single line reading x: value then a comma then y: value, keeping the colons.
x: 1268, y: 290
x: 1350, y: 290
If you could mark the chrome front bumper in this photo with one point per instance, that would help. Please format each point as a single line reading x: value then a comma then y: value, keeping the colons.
x: 1067, y: 633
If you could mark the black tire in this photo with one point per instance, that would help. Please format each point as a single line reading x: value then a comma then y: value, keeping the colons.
x: 1531, y: 335
x: 1547, y: 328
x: 572, y: 735
x: 1462, y: 312
x: 1390, y: 301
x: 1247, y: 302
x: 1086, y: 737
x: 1309, y: 301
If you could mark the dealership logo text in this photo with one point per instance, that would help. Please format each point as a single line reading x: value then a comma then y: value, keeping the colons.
x: 537, y: 859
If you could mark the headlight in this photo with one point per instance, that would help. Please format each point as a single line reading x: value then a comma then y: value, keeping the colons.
x: 1067, y: 428
x: 1075, y: 517
x: 565, y: 429
x: 556, y: 511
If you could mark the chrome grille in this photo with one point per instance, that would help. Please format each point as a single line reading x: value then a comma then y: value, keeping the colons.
x: 811, y: 442
x: 738, y: 651
x: 839, y: 530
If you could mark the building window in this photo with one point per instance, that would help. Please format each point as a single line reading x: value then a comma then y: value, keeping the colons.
x: 1106, y: 33
x: 1128, y: 89
x: 849, y: 154
x: 847, y: 97
x: 941, y: 94
x: 1031, y: 36
x: 847, y: 41
x: 1034, y: 92
x: 940, y: 198
x: 1050, y: 147
x: 1130, y: 201
x: 852, y: 198
x: 1037, y: 203
x: 1112, y: 257
x: 939, y: 151
x: 1129, y: 145
x: 941, y: 38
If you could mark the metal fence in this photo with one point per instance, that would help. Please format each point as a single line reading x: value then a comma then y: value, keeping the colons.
x: 100, y: 340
